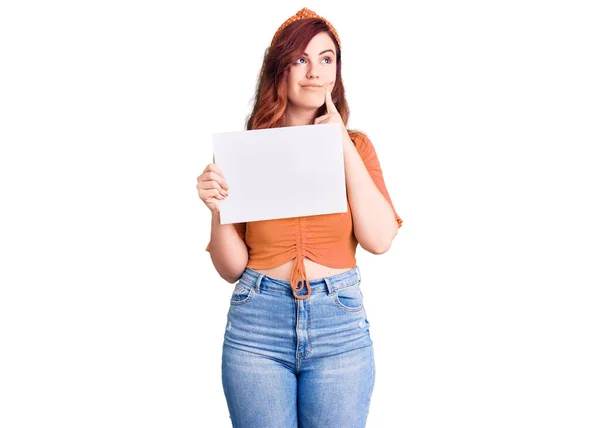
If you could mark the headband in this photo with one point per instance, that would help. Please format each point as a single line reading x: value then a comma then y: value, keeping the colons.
x: 302, y: 14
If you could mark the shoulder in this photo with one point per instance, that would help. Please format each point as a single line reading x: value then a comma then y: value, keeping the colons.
x: 361, y: 142
x: 358, y: 137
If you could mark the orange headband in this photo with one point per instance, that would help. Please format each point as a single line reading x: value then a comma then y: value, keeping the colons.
x: 305, y: 13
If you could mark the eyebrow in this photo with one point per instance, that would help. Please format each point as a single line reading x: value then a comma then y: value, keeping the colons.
x: 321, y: 53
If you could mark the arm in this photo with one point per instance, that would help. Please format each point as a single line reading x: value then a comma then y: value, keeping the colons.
x: 227, y: 247
x: 374, y: 218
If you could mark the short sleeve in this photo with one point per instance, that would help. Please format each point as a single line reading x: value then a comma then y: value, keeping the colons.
x: 365, y: 149
x: 240, y: 229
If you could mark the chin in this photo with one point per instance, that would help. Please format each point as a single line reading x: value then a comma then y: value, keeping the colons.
x: 304, y: 106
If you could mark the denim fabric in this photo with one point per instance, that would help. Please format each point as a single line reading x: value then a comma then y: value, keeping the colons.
x: 289, y: 362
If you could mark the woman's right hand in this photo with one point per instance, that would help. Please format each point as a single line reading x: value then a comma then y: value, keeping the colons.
x: 212, y: 187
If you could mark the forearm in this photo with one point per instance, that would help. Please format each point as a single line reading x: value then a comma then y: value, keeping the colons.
x: 228, y: 251
x: 373, y: 218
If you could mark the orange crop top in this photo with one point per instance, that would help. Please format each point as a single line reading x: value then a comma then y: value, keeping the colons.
x: 327, y: 239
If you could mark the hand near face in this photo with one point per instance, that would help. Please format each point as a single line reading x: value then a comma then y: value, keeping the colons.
x: 332, y: 115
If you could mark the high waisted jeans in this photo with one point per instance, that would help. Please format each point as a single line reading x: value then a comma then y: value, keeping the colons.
x: 290, y: 363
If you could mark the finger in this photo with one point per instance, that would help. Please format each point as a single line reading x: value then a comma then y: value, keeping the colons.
x: 209, y: 194
x: 213, y: 177
x: 212, y: 194
x: 210, y: 187
x: 214, y: 173
x: 329, y: 101
x: 213, y: 167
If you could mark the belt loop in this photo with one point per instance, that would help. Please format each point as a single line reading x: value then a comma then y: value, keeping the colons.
x: 258, y: 281
x: 358, y: 273
x: 329, y: 287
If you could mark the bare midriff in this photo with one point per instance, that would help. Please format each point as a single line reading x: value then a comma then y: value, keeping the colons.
x: 313, y: 270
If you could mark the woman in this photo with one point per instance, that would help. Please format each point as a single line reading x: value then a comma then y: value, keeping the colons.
x: 297, y: 349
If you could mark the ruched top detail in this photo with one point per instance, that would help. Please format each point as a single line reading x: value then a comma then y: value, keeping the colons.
x: 298, y: 268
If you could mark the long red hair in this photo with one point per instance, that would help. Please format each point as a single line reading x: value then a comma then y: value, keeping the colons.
x: 270, y: 101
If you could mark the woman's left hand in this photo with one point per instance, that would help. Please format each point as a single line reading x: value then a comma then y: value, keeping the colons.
x: 332, y: 115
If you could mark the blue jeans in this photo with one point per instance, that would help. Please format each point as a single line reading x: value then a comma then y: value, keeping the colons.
x: 291, y: 362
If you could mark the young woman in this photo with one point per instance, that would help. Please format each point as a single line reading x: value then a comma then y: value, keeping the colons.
x: 297, y: 350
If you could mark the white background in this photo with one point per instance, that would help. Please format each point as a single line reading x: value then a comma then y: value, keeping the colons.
x: 484, y: 313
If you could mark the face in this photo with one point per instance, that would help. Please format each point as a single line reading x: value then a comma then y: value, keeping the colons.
x: 310, y: 74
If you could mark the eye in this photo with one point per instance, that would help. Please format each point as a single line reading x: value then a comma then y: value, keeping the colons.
x: 329, y: 60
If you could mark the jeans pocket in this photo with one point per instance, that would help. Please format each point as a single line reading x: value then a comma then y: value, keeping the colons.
x: 349, y: 298
x: 242, y: 294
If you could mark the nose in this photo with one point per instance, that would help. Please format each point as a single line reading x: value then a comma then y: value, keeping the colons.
x: 312, y: 72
